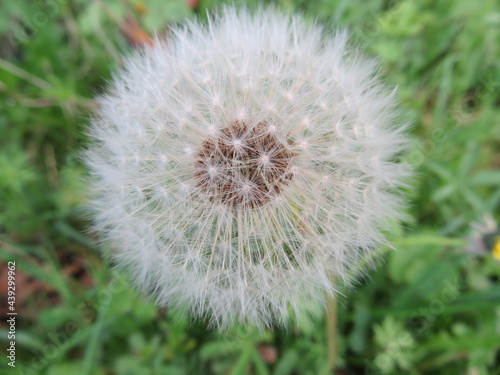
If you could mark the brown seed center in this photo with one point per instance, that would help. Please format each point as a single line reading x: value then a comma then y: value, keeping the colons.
x: 244, y: 166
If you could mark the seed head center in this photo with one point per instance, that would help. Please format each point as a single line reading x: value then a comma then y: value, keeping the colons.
x: 244, y: 165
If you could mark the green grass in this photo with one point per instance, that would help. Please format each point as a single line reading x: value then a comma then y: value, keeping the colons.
x: 431, y: 307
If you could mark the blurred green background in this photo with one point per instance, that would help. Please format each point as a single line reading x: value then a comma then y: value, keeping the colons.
x: 431, y: 307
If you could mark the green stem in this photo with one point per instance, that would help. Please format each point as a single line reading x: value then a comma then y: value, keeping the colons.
x: 331, y: 329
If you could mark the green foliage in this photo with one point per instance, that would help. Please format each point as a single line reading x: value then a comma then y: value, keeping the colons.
x: 432, y: 307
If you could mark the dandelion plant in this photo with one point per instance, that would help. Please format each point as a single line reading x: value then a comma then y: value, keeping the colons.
x: 242, y: 164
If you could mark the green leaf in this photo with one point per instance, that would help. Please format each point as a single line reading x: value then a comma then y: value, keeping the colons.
x: 487, y: 178
x: 287, y: 363
x: 55, y: 316
x: 443, y: 192
x: 240, y: 368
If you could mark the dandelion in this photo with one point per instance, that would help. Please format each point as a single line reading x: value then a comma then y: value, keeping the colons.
x: 484, y: 237
x: 239, y: 166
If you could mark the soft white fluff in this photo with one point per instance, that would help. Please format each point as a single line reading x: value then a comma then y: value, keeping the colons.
x: 265, y: 264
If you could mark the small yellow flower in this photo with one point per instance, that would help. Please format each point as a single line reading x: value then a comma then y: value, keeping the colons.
x: 496, y: 248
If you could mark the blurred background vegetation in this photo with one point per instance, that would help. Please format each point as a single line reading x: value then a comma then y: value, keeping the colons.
x: 431, y: 307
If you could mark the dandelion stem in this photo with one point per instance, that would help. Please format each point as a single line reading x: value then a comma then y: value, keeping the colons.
x: 331, y: 330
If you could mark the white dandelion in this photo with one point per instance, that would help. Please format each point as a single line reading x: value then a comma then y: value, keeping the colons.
x: 241, y: 165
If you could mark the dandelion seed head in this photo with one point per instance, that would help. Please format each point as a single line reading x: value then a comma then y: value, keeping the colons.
x: 274, y: 169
